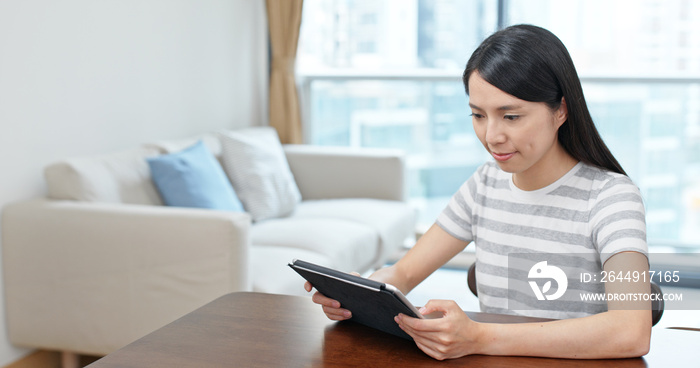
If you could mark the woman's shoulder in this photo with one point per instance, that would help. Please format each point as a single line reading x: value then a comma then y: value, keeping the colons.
x: 490, y: 172
x: 604, y: 182
x: 485, y: 178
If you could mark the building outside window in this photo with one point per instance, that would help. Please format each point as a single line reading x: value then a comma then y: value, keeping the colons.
x: 387, y: 73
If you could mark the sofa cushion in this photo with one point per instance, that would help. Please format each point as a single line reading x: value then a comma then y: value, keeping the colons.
x: 174, y: 145
x: 193, y: 178
x: 271, y: 273
x: 352, y: 245
x: 122, y: 177
x: 256, y: 165
x: 394, y: 221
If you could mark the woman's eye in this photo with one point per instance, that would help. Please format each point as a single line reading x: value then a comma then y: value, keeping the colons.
x: 476, y: 116
x: 511, y: 117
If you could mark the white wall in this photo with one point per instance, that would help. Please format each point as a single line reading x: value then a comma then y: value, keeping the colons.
x: 82, y: 77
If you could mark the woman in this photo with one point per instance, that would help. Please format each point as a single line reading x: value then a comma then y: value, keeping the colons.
x: 553, y: 189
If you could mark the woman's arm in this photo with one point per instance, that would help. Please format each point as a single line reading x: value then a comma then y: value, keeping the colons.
x: 431, y: 251
x: 623, y: 331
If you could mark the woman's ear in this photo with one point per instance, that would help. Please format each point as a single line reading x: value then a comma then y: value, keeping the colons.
x: 562, y: 113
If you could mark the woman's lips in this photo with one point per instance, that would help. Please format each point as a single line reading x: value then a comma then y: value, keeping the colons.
x: 502, y: 156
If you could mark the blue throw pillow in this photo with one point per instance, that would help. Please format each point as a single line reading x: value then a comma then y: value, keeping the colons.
x: 193, y: 178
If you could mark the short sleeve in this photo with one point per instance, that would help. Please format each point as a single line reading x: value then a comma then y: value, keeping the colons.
x: 617, y: 219
x: 456, y: 218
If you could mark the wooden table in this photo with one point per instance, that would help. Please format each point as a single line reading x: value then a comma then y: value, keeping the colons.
x: 265, y: 330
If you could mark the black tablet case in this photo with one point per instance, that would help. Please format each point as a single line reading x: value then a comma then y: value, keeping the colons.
x: 371, y: 303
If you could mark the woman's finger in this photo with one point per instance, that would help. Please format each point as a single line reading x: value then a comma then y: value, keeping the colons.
x: 331, y: 307
x: 321, y: 299
x: 337, y: 314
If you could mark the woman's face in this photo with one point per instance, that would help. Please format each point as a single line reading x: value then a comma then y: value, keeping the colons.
x: 520, y: 135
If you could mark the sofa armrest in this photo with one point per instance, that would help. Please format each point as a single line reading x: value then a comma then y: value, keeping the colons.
x: 346, y: 172
x: 92, y: 277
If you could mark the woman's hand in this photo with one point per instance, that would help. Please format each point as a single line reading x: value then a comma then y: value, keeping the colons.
x: 331, y: 307
x: 452, y: 336
x: 431, y: 251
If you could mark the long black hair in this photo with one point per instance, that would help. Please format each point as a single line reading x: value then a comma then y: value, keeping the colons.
x: 532, y: 64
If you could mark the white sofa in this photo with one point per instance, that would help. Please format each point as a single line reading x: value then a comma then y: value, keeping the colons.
x: 101, y: 262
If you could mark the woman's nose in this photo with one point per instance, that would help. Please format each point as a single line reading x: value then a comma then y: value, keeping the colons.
x: 494, y: 133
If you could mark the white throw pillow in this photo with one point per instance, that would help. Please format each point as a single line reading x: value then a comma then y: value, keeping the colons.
x: 255, y: 163
x: 120, y: 177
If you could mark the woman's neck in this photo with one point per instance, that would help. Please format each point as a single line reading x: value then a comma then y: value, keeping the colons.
x: 555, y: 164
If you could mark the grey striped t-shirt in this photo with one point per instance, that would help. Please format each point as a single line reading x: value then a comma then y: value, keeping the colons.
x: 576, y: 223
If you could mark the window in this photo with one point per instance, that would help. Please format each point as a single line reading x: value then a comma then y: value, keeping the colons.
x: 387, y: 73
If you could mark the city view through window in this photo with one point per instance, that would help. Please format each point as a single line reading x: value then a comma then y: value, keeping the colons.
x: 387, y: 73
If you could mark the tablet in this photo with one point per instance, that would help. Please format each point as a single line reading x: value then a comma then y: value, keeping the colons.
x: 372, y: 303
